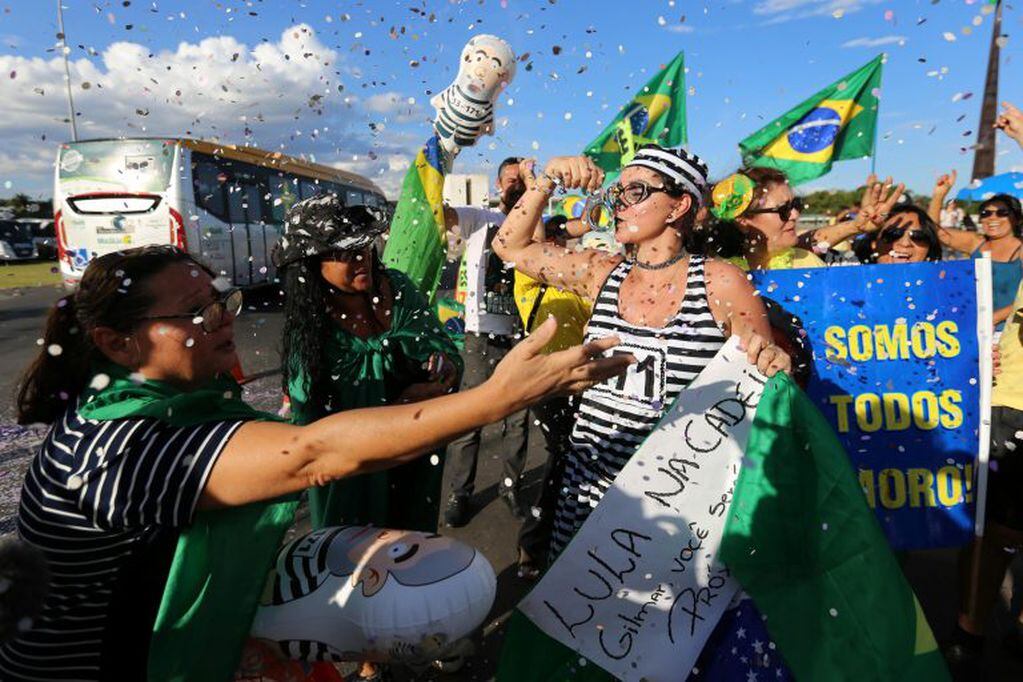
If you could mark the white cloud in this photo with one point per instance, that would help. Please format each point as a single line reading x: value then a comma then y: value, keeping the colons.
x: 780, y: 11
x: 875, y: 42
x: 285, y: 95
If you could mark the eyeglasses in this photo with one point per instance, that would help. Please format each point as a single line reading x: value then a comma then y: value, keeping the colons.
x: 784, y: 211
x: 631, y: 194
x: 992, y: 212
x: 210, y: 316
x: 917, y: 236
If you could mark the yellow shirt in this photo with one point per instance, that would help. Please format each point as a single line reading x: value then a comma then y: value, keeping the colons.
x: 789, y: 259
x: 1008, y: 390
x: 572, y: 311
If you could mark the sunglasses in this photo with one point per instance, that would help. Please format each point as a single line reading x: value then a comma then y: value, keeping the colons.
x: 212, y: 315
x: 350, y: 256
x: 992, y: 212
x: 784, y: 211
x: 917, y: 236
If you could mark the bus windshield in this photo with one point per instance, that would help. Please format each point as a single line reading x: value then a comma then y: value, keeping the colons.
x: 116, y: 166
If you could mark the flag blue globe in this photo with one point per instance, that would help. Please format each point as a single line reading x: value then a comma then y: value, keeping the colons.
x: 815, y: 131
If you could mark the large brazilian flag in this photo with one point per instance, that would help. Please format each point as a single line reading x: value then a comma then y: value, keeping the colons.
x: 417, y: 244
x: 836, y: 124
x: 657, y: 114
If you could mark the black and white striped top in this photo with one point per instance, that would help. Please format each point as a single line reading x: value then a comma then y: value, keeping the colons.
x: 103, y: 501
x: 463, y: 117
x: 615, y: 417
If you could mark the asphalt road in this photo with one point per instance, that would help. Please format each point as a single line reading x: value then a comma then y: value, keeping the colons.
x: 492, y: 530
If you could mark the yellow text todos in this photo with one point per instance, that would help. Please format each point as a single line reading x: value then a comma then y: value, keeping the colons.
x: 895, y: 411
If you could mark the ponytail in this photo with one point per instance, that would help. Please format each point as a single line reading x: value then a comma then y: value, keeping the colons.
x: 60, y: 370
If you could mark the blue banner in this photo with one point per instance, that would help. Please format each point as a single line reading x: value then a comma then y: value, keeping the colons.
x: 896, y: 371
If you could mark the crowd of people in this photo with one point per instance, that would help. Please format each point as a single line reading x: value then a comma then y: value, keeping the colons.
x: 147, y: 429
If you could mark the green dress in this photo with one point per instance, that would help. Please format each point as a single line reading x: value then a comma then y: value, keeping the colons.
x: 369, y: 373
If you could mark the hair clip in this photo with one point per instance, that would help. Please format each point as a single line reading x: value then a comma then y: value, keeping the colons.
x: 732, y: 196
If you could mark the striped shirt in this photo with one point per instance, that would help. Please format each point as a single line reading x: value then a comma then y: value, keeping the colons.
x: 103, y: 502
x: 615, y: 417
x: 463, y: 117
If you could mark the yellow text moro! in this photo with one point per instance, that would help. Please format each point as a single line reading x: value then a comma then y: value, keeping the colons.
x: 917, y: 487
x: 925, y: 410
x: 899, y: 341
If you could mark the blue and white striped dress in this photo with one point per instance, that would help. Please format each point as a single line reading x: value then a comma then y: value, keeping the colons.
x: 615, y: 417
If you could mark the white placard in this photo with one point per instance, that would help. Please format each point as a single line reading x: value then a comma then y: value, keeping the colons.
x: 638, y: 590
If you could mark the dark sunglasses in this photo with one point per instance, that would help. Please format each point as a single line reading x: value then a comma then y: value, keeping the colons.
x: 210, y: 316
x: 917, y: 236
x: 784, y: 211
x: 349, y: 256
x: 991, y: 212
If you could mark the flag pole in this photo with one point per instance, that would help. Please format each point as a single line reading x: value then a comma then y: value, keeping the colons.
x: 873, y: 146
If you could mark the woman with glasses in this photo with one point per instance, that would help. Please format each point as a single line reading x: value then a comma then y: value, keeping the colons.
x: 671, y: 309
x: 149, y: 439
x: 1001, y: 236
x: 359, y: 335
x: 908, y: 236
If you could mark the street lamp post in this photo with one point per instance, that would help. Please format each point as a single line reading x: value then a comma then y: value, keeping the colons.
x: 67, y: 72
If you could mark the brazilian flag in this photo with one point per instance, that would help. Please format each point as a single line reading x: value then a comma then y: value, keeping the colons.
x: 656, y: 115
x: 836, y: 124
x: 417, y: 244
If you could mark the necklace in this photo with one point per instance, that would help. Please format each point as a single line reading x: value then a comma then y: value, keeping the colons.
x: 663, y: 264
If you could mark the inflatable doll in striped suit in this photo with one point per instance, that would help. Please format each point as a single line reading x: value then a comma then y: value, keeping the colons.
x: 465, y: 109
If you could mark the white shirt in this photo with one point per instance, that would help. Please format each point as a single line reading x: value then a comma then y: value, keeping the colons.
x: 472, y: 225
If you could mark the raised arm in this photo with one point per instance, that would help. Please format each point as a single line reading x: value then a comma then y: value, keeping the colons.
x: 876, y: 203
x: 1010, y: 122
x: 265, y: 460
x: 581, y: 272
x: 964, y: 241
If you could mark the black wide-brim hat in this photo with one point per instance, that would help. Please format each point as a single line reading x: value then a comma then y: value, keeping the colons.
x: 323, y: 224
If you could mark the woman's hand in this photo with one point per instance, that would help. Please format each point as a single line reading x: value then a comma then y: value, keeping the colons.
x: 527, y: 374
x: 944, y: 185
x: 571, y: 172
x: 877, y: 202
x: 768, y: 358
x: 1010, y: 122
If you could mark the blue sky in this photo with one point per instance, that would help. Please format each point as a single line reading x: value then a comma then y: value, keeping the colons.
x: 748, y: 61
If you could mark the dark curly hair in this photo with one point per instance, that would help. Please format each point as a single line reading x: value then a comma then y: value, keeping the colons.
x: 307, y: 328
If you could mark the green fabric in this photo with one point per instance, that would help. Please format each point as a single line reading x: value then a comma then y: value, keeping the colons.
x: 657, y: 114
x: 406, y: 496
x: 850, y: 103
x: 222, y: 559
x: 795, y: 478
x: 802, y: 542
x: 417, y: 244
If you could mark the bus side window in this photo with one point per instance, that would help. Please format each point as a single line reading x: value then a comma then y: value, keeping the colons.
x: 282, y: 195
x: 208, y: 183
x: 309, y: 188
x: 354, y: 197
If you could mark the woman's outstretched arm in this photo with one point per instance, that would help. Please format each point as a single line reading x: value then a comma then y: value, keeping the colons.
x: 265, y: 460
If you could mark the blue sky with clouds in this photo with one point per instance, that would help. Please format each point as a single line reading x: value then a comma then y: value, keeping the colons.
x: 348, y: 83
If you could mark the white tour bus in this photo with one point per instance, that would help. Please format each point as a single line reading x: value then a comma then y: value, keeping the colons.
x: 225, y: 204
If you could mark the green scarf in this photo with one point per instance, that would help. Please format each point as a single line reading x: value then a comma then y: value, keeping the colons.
x: 222, y: 559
